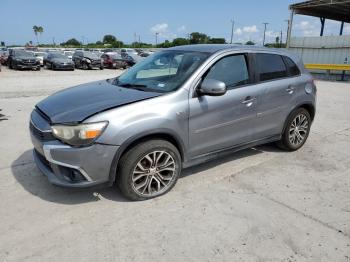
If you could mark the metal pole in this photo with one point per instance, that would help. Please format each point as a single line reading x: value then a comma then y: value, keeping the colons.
x: 233, y: 24
x: 265, y: 24
x: 341, y: 28
x: 290, y: 24
x: 343, y: 73
x: 281, y: 39
x: 157, y: 39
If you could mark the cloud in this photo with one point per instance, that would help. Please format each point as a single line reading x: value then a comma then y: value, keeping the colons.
x: 160, y: 28
x: 306, y: 28
x: 270, y: 33
x: 250, y: 29
x: 163, y: 31
x: 181, y: 28
x: 238, y: 31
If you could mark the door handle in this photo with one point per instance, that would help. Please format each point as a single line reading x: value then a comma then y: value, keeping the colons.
x: 248, y: 101
x: 290, y: 89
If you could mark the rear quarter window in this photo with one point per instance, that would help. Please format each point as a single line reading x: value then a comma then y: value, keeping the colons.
x: 293, y: 69
x: 270, y: 66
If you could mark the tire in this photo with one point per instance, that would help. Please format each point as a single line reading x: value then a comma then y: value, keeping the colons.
x: 101, y: 67
x: 53, y: 67
x: 296, y: 131
x: 168, y: 159
x: 85, y: 66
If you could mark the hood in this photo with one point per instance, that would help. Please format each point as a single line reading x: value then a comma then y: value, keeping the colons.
x: 75, y: 104
x: 61, y: 60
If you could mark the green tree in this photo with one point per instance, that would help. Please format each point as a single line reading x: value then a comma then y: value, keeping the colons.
x: 217, y: 41
x: 109, y: 39
x: 37, y: 29
x: 180, y: 41
x: 250, y: 43
x: 72, y: 42
x: 199, y: 38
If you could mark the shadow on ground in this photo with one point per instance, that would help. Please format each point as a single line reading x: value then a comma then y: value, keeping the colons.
x: 32, y: 180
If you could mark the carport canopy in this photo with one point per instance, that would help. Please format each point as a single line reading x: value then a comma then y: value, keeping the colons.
x: 338, y: 10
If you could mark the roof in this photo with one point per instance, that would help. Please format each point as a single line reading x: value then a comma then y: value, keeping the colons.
x: 213, y: 48
x: 338, y: 10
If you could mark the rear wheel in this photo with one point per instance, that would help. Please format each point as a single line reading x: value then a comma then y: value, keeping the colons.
x: 148, y: 170
x: 296, y: 130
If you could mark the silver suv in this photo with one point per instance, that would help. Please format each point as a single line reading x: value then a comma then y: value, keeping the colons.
x: 178, y: 107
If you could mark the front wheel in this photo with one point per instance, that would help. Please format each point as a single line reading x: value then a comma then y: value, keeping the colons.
x: 148, y: 170
x: 296, y: 130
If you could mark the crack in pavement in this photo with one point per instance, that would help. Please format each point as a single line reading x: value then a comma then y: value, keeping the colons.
x: 306, y: 215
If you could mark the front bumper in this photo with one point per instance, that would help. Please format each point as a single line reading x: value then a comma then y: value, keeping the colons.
x: 64, y: 66
x: 71, y: 166
x: 28, y: 66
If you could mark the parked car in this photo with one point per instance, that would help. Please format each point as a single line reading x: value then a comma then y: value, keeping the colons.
x: 58, y: 61
x: 21, y: 59
x: 68, y: 54
x: 3, y: 57
x: 113, y: 60
x: 87, y: 60
x: 179, y: 107
x: 40, y: 56
x: 131, y: 59
x: 129, y: 51
x: 146, y: 53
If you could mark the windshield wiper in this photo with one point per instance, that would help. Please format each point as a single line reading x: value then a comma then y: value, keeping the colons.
x: 130, y: 85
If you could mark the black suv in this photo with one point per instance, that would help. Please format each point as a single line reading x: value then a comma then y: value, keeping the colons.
x: 21, y: 59
x: 87, y: 60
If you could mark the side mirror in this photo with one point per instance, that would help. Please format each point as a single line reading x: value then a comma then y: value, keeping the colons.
x: 212, y: 87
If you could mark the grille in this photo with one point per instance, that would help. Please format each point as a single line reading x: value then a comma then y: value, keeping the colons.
x: 42, y: 136
x: 29, y: 61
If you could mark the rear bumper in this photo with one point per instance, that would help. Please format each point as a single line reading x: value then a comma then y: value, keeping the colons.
x: 67, y: 166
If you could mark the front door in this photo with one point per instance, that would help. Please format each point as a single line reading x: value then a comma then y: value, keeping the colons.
x: 219, y: 122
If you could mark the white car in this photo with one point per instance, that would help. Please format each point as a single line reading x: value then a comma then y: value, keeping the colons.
x: 40, y: 56
x: 68, y: 54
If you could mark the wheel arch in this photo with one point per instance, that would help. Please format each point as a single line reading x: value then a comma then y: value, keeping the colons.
x: 133, y: 141
x: 307, y: 106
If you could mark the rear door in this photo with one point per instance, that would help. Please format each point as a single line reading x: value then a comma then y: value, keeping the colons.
x: 277, y: 91
x: 219, y: 122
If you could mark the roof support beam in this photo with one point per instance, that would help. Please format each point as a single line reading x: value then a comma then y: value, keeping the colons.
x: 290, y: 24
x: 323, y: 20
x: 341, y: 28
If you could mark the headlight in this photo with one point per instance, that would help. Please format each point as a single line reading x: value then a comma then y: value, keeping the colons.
x: 79, y: 135
x: 87, y: 60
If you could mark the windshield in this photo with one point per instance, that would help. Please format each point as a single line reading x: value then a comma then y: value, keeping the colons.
x: 58, y: 55
x: 24, y: 53
x: 165, y: 71
x: 91, y: 55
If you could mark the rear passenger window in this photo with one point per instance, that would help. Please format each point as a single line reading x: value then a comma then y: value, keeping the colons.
x: 232, y: 70
x: 293, y: 69
x: 270, y: 66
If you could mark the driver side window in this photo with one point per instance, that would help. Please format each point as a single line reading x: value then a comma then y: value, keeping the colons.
x: 232, y: 70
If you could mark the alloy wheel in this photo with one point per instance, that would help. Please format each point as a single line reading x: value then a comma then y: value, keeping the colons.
x: 298, y: 130
x: 153, y: 173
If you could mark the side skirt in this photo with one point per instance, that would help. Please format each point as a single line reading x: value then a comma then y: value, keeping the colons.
x: 226, y: 151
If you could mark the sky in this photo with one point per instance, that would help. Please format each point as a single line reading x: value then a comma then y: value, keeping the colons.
x: 89, y: 21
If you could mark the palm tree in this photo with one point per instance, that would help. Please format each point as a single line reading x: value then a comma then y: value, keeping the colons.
x: 38, y: 29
